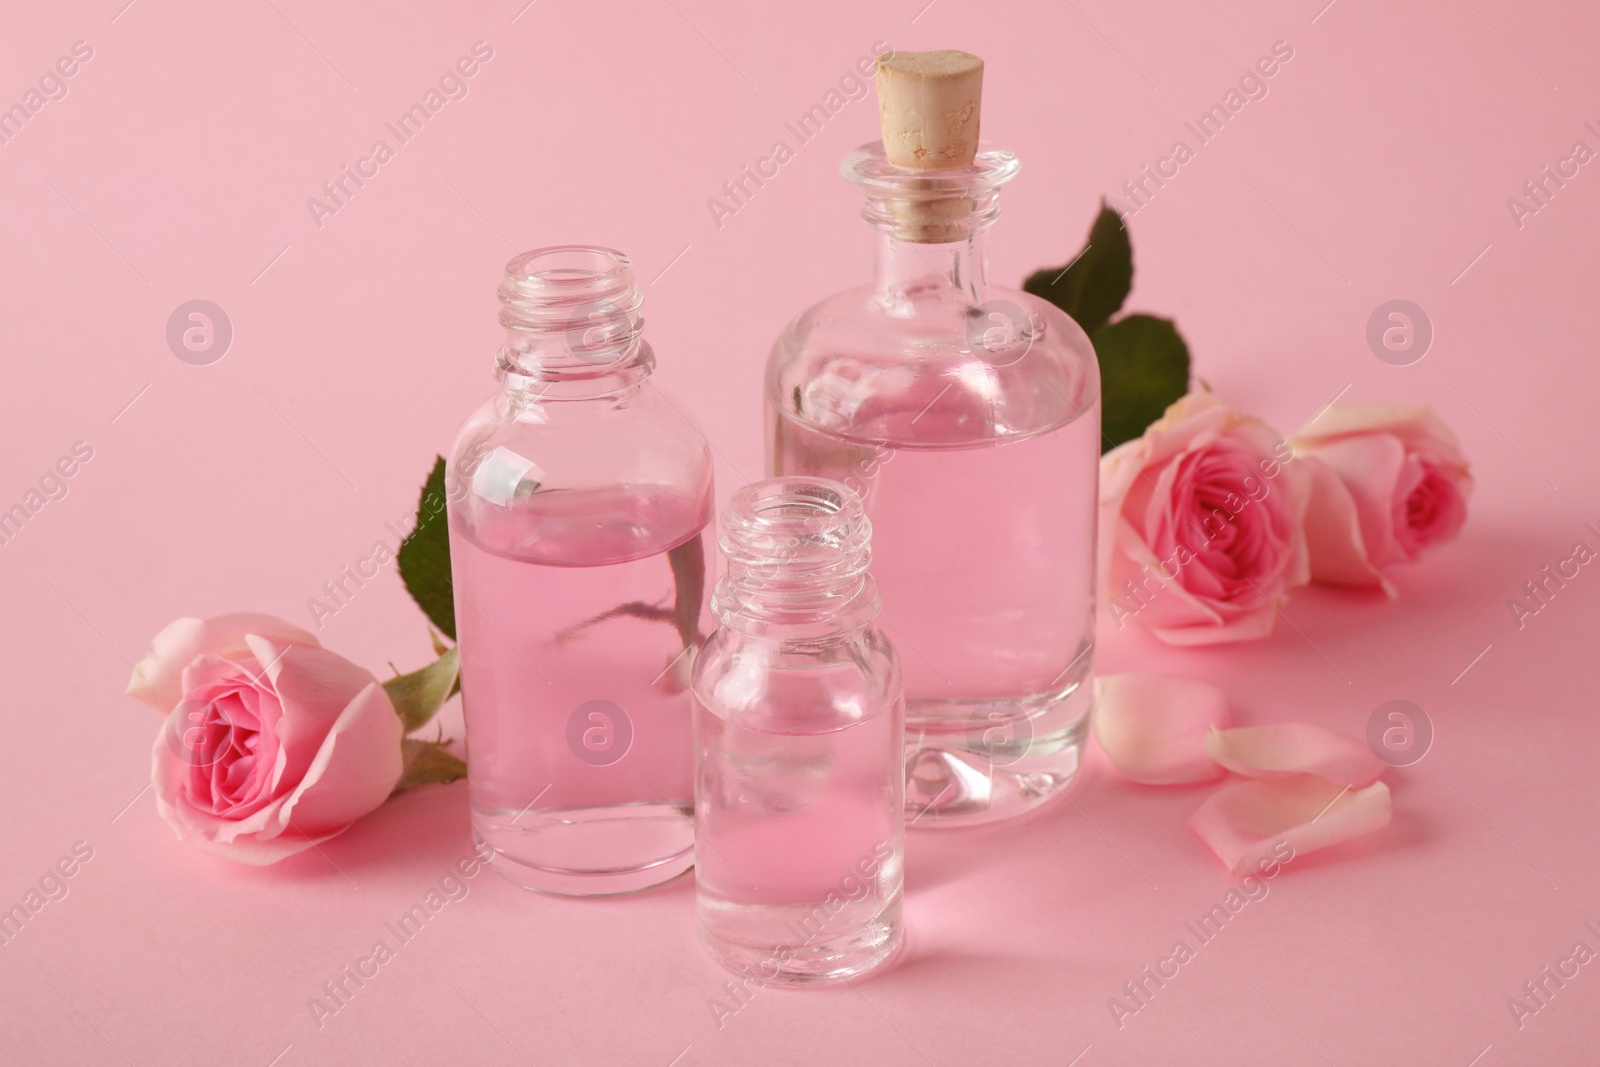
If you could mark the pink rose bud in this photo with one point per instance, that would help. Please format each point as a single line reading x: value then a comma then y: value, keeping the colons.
x: 1200, y: 537
x: 1388, y: 483
x: 272, y: 743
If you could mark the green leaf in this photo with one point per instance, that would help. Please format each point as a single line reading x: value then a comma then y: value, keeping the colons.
x: 424, y: 557
x: 1092, y: 287
x: 439, y: 649
x: 1144, y: 366
x: 418, y: 696
x: 427, y: 763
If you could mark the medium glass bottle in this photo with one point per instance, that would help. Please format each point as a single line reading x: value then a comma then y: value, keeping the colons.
x: 577, y: 499
x: 799, y: 723
x: 967, y: 416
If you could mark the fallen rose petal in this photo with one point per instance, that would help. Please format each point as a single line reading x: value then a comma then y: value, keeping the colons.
x: 158, y: 678
x: 1153, y: 727
x: 1286, y: 748
x: 1249, y: 824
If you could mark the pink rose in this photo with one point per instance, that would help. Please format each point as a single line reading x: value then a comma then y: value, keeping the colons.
x: 272, y: 743
x: 1387, y: 483
x: 1200, y: 537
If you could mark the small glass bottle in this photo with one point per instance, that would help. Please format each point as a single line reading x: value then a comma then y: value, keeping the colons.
x: 799, y: 723
x: 967, y: 416
x: 577, y: 499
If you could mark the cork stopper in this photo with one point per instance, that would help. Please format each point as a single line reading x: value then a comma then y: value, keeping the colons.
x: 928, y: 103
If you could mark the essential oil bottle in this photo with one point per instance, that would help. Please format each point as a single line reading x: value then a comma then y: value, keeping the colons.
x: 578, y: 499
x: 799, y: 725
x: 967, y: 416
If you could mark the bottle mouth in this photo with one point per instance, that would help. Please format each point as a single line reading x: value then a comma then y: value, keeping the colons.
x: 570, y: 310
x: 929, y: 206
x: 796, y: 548
x: 797, y: 520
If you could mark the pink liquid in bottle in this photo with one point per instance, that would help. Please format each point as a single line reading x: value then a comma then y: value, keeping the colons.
x: 577, y: 499
x: 799, y: 723
x: 577, y: 616
x: 967, y: 416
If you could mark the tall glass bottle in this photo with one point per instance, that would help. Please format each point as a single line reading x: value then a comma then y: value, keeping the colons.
x: 578, y: 496
x: 799, y: 723
x: 967, y: 416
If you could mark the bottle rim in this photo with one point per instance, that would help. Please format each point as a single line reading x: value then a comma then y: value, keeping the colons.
x: 929, y: 206
x: 869, y: 169
x: 570, y: 311
x: 797, y: 550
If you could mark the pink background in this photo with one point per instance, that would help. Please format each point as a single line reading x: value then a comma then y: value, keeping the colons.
x: 178, y: 167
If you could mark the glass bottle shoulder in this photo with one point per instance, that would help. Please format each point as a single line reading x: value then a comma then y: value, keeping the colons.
x: 768, y: 683
x: 932, y: 370
x: 594, y: 480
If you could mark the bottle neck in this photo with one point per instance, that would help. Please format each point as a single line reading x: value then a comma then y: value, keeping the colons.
x: 797, y: 552
x: 528, y: 384
x: 932, y: 225
x: 574, y: 327
x: 908, y: 271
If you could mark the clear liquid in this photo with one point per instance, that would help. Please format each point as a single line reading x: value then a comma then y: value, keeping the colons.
x: 985, y: 556
x: 799, y: 867
x: 577, y: 613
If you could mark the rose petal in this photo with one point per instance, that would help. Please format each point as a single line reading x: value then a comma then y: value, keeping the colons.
x: 222, y: 701
x: 202, y: 829
x: 354, y: 772
x: 1249, y: 824
x: 1153, y: 727
x: 158, y: 678
x: 1200, y: 525
x: 1435, y: 509
x: 1133, y: 570
x: 1417, y: 427
x: 314, y: 689
x: 1333, y: 532
x: 235, y: 841
x: 1403, y: 508
x: 1248, y: 626
x: 1287, y: 748
x: 1371, y: 469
